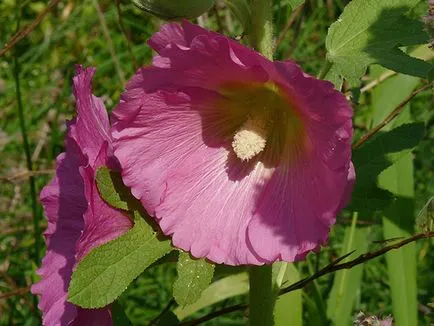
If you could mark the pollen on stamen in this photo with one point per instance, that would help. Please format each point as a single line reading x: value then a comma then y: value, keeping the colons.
x: 250, y: 139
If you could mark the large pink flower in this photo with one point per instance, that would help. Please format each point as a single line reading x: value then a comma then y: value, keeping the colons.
x: 242, y: 160
x: 78, y: 219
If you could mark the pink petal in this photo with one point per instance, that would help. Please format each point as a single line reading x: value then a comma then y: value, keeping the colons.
x: 167, y: 139
x: 78, y: 219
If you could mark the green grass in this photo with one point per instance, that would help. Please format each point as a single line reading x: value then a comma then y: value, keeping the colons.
x: 72, y: 34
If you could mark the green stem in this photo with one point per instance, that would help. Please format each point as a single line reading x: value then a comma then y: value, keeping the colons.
x: 262, y: 290
x: 325, y: 69
x: 261, y: 33
x: 37, y: 233
x: 262, y: 296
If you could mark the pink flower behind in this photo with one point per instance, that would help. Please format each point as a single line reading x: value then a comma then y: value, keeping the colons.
x: 242, y: 160
x: 78, y: 219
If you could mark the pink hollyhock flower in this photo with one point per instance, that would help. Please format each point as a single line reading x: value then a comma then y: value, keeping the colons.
x: 78, y: 219
x: 242, y: 160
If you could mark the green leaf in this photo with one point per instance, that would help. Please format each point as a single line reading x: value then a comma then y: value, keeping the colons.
x: 425, y: 218
x: 295, y: 3
x: 347, y: 282
x: 289, y: 307
x: 194, y: 276
x: 106, y: 271
x: 241, y: 10
x: 384, y: 150
x: 398, y: 219
x: 168, y: 319
x: 371, y: 31
x: 172, y: 10
x: 316, y: 293
x: 118, y: 315
x: 370, y: 199
x: 220, y: 290
x: 112, y: 189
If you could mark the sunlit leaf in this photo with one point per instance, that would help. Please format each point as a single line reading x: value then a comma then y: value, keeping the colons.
x: 194, y: 276
x: 347, y: 282
x: 398, y: 220
x: 111, y: 188
x: 107, y: 270
x: 220, y: 290
x: 289, y: 307
x: 371, y: 31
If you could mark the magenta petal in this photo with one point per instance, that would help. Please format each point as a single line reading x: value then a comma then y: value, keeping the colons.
x: 64, y: 205
x: 182, y: 167
x: 78, y: 219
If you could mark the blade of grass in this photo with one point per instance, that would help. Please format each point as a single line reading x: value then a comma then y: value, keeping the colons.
x: 26, y: 147
x: 289, y: 307
x: 398, y: 220
x: 347, y: 282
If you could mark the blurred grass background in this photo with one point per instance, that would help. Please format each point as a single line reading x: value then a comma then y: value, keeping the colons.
x: 89, y: 32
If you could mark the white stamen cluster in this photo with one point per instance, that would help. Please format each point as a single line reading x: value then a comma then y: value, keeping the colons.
x: 250, y: 139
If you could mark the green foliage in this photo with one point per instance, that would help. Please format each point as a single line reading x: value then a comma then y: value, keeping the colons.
x: 384, y: 150
x: 171, y: 10
x: 374, y: 157
x: 289, y: 307
x: 398, y: 219
x: 371, y: 31
x: 425, y: 218
x: 241, y: 10
x: 70, y: 34
x: 106, y: 271
x: 119, y: 316
x: 220, y: 290
x: 194, y: 276
x: 168, y: 319
x: 111, y: 188
x: 295, y: 3
x: 347, y: 283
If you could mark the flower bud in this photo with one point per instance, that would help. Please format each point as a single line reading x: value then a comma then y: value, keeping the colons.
x: 173, y: 10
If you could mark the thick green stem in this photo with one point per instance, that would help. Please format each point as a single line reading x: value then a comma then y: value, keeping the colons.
x: 262, y: 296
x: 262, y: 290
x: 261, y: 33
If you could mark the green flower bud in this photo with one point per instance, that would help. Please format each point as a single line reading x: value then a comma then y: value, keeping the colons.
x: 174, y: 9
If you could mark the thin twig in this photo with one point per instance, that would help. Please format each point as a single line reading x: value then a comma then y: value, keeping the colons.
x: 387, y: 74
x: 14, y: 293
x: 28, y: 29
x: 127, y: 34
x: 392, y: 115
x: 352, y: 263
x: 214, y: 314
x: 377, y: 81
x: 25, y: 174
x: 109, y: 40
x: 288, y: 25
x: 330, y: 268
